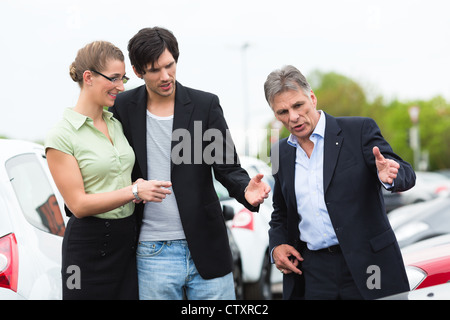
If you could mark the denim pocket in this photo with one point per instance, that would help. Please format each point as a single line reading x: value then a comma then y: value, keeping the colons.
x: 149, y: 248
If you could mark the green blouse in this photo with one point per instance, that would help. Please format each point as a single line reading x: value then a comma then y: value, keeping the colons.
x: 104, y: 166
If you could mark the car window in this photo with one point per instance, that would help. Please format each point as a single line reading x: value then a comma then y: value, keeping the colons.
x: 221, y: 191
x: 35, y: 194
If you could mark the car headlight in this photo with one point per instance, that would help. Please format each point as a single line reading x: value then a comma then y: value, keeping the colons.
x: 415, y: 276
x: 410, y: 229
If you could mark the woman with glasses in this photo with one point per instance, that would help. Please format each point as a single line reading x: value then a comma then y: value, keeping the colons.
x: 91, y: 162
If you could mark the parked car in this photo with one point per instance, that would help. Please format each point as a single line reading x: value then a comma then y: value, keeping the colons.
x: 428, y: 269
x: 421, y: 221
x: 445, y: 172
x: 428, y: 262
x: 250, y: 232
x: 31, y: 224
x: 392, y: 200
x: 428, y: 243
x: 429, y: 185
x: 438, y: 292
x: 428, y: 266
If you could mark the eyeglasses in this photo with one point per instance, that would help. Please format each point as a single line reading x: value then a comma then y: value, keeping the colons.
x: 113, y: 80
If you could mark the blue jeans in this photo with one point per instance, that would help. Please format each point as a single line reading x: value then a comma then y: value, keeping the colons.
x: 166, y: 271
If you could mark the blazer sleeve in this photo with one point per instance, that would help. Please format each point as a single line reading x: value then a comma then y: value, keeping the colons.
x: 278, y: 232
x: 227, y: 170
x: 283, y: 223
x: 371, y: 137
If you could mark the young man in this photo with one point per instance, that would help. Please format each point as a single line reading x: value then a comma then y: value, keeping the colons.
x: 329, y: 232
x: 183, y: 242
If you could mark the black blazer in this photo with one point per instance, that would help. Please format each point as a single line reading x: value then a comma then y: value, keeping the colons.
x: 354, y: 201
x: 192, y: 181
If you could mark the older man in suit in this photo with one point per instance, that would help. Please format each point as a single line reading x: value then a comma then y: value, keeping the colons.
x: 329, y: 232
x: 180, y: 135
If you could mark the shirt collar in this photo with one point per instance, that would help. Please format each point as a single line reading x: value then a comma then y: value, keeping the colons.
x: 318, y: 130
x: 77, y: 119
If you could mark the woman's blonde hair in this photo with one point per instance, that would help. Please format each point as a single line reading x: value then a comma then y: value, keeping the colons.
x: 93, y: 56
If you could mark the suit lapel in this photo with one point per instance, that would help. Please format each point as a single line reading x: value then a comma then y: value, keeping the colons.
x: 287, y: 163
x: 137, y: 110
x: 182, y: 112
x: 332, y: 146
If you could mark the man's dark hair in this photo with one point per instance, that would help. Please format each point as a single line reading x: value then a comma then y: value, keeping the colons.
x: 148, y: 45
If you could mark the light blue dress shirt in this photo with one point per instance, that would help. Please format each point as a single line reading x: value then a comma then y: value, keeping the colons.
x: 315, y: 223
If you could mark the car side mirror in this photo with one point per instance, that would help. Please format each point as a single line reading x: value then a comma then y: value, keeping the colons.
x: 228, y: 212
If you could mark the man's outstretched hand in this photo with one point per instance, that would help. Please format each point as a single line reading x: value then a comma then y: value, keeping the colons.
x: 257, y: 190
x: 387, y: 168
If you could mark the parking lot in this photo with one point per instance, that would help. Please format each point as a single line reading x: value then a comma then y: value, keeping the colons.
x: 32, y: 225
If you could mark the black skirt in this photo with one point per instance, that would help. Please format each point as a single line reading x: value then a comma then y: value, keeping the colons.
x: 99, y: 259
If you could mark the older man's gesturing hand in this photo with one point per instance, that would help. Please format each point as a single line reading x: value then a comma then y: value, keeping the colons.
x: 287, y: 259
x: 387, y: 168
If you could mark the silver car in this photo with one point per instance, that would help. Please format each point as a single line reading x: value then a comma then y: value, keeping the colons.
x: 31, y: 224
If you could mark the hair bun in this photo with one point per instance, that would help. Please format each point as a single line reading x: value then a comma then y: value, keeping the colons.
x: 73, y: 72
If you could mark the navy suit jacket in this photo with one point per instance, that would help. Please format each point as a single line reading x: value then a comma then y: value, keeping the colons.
x: 192, y: 181
x: 354, y: 201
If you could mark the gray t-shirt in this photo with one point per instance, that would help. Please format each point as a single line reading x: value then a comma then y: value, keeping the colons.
x: 161, y: 220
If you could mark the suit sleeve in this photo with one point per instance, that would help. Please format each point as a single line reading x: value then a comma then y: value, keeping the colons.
x: 278, y: 233
x: 371, y: 137
x: 228, y: 170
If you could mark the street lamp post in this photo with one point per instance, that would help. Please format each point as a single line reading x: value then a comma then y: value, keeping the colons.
x: 246, y: 100
x: 414, y: 136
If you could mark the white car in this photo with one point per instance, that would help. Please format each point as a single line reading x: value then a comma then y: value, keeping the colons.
x: 250, y: 233
x: 31, y: 224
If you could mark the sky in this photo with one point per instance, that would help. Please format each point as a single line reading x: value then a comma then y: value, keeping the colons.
x: 396, y: 48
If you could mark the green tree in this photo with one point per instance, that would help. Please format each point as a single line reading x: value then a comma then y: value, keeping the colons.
x: 434, y: 124
x: 394, y: 122
x: 337, y: 94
